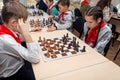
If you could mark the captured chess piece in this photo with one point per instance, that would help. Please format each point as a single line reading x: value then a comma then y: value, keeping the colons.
x: 84, y: 49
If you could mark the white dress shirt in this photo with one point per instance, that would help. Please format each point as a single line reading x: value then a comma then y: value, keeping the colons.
x: 12, y: 55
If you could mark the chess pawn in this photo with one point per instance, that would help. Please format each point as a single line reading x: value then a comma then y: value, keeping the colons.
x: 62, y: 50
x: 84, y: 49
x: 76, y: 49
x: 44, y: 39
x: 77, y: 44
x: 67, y: 35
x: 40, y: 40
x: 69, y: 46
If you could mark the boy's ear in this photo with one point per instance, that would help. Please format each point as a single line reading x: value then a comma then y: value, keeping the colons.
x: 99, y: 20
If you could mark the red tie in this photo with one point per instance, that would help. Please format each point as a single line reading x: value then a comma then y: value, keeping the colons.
x: 61, y: 16
x: 92, y: 35
x: 48, y: 11
x: 5, y: 30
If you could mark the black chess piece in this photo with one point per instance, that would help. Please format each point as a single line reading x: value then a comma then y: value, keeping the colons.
x: 40, y: 40
x: 44, y: 39
x: 76, y: 49
x: 67, y: 35
x: 69, y: 46
x: 77, y: 44
x: 62, y: 50
x: 84, y: 49
x: 47, y: 22
x: 44, y: 21
x: 75, y: 39
x: 64, y: 38
x: 51, y: 21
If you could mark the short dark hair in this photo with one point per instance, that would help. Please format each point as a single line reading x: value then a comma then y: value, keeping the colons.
x: 15, y: 10
x: 103, y: 3
x: 64, y: 2
x: 6, y: 1
x: 96, y: 12
x: 51, y: 0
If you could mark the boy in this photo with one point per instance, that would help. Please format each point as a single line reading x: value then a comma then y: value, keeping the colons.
x: 96, y: 32
x: 65, y: 17
x: 12, y: 54
x: 51, y: 8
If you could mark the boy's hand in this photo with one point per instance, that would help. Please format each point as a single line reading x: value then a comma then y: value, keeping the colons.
x: 36, y: 29
x: 24, y: 31
x: 50, y: 29
x: 51, y: 17
x: 23, y: 27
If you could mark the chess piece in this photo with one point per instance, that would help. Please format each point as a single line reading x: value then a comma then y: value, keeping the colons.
x: 53, y: 56
x: 69, y: 46
x: 39, y: 39
x: 51, y: 21
x: 67, y: 35
x: 62, y: 50
x: 47, y: 55
x: 64, y: 54
x: 76, y: 49
x: 84, y: 49
x: 73, y: 52
x: 44, y: 40
x: 77, y: 44
x: 44, y: 49
x: 44, y: 21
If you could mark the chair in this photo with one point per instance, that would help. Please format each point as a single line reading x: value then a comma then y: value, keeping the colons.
x: 117, y: 51
x: 78, y: 24
x: 114, y: 33
x: 107, y: 48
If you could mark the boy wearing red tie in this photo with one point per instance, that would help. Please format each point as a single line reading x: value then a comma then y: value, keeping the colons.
x: 65, y: 17
x: 12, y: 54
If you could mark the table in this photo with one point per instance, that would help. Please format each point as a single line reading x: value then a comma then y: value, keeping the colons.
x: 116, y: 18
x: 103, y: 71
x: 45, y: 70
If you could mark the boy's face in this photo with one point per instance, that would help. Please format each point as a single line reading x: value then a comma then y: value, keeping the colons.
x: 62, y: 8
x: 37, y: 0
x: 13, y: 24
x: 16, y: 0
x: 91, y: 23
x: 49, y: 3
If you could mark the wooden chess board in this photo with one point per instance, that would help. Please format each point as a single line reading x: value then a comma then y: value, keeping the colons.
x: 62, y: 47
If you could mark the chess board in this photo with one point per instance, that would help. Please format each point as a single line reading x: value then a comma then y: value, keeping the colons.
x: 61, y: 47
x: 39, y: 23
